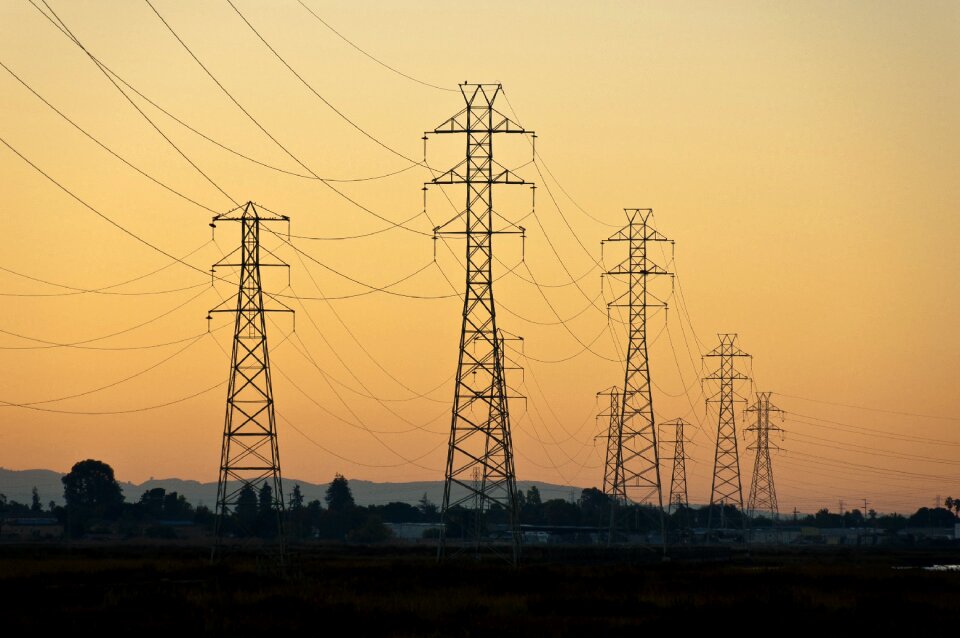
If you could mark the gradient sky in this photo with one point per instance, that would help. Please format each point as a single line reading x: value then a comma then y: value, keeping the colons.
x: 803, y: 156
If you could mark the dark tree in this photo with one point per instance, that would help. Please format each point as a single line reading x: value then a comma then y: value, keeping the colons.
x: 176, y: 507
x: 91, y: 491
x: 152, y: 502
x: 371, y: 530
x: 296, y: 498
x: 427, y: 509
x: 533, y: 496
x: 298, y: 515
x: 35, y: 506
x: 560, y: 512
x: 267, y: 512
x: 246, y: 510
x: 396, y: 512
x: 932, y: 517
x: 595, y: 506
x: 338, y: 497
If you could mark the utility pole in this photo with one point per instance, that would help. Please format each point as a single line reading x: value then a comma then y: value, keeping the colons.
x: 678, y: 479
x: 250, y: 455
x: 636, y: 474
x: 763, y: 493
x: 480, y: 425
x: 726, y: 485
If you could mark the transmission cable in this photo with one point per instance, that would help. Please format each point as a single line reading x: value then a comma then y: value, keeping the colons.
x: 378, y: 61
x: 66, y: 30
x: 274, y: 139
x: 109, y: 385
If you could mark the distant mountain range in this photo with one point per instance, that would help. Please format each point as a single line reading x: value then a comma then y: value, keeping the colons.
x: 17, y: 485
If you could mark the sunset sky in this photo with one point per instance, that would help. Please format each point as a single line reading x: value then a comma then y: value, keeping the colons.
x: 803, y: 156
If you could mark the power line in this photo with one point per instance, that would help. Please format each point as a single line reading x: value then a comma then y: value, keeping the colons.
x: 856, y: 429
x: 274, y: 139
x: 869, y: 409
x: 54, y: 344
x: 104, y: 146
x: 63, y: 27
x: 113, y: 412
x: 110, y: 221
x: 109, y: 385
x: 105, y: 290
x: 377, y: 60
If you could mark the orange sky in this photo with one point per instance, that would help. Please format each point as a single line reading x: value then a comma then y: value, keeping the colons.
x: 803, y: 157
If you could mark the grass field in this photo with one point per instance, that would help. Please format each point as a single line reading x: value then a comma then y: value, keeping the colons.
x: 558, y: 591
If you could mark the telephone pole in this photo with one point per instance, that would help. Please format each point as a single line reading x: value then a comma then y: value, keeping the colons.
x: 636, y: 471
x: 250, y: 455
x: 678, y: 479
x: 480, y: 426
x: 726, y: 486
x: 763, y: 494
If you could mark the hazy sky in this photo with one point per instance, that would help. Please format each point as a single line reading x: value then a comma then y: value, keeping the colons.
x: 803, y: 156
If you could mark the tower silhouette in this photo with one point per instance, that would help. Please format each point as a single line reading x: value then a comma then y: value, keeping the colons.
x: 636, y: 464
x: 250, y: 455
x: 763, y: 493
x: 678, y: 478
x: 726, y: 486
x: 480, y: 425
x: 613, y: 439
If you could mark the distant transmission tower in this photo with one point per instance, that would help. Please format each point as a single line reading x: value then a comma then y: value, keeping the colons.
x: 763, y: 494
x: 678, y: 480
x: 636, y: 463
x: 250, y: 456
x: 726, y: 487
x: 480, y: 428
x: 613, y: 440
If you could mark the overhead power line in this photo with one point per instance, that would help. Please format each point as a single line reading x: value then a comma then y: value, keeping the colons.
x: 377, y: 60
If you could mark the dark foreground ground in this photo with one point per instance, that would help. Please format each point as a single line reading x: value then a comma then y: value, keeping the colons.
x: 356, y: 591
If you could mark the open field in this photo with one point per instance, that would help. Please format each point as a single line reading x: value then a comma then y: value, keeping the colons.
x: 396, y: 591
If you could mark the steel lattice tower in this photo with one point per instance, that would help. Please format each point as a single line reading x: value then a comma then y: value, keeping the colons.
x: 678, y: 479
x: 250, y: 455
x: 763, y: 493
x: 613, y: 437
x: 726, y: 486
x: 636, y: 471
x: 480, y: 427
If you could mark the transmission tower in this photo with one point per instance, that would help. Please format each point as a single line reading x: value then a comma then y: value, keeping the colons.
x: 636, y: 463
x: 726, y: 486
x: 678, y: 480
x: 763, y: 494
x: 250, y: 456
x: 480, y: 427
x: 612, y: 437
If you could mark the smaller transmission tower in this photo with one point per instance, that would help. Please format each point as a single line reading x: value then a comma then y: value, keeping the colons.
x: 763, y: 494
x: 726, y: 487
x: 612, y: 437
x: 678, y: 480
x: 250, y: 456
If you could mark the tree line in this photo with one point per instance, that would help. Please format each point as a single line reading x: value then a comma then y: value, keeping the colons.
x: 94, y: 502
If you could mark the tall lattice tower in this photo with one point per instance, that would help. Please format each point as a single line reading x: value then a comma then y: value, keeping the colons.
x: 480, y: 427
x: 612, y: 414
x: 678, y: 479
x: 250, y: 455
x: 636, y: 463
x: 726, y: 487
x: 763, y: 493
